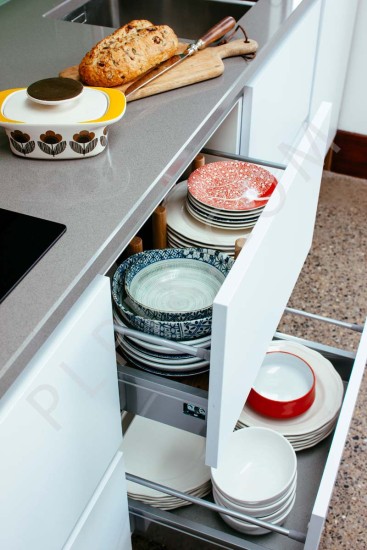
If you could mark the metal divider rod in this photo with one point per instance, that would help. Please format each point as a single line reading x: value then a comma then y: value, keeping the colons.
x: 290, y: 533
x: 202, y: 353
x: 350, y: 326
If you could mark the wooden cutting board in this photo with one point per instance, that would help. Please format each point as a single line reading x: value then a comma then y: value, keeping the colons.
x: 203, y: 65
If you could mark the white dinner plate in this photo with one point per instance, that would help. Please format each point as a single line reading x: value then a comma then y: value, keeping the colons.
x: 175, y: 242
x: 166, y: 455
x: 171, y: 233
x: 189, y: 363
x: 228, y: 225
x: 228, y: 214
x: 170, y: 503
x: 181, y: 222
x: 328, y: 399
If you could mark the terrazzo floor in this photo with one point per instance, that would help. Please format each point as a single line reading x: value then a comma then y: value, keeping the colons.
x: 333, y: 284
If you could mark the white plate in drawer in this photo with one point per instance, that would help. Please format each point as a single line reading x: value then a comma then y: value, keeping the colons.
x: 165, y: 455
x: 316, y: 423
x: 184, y: 224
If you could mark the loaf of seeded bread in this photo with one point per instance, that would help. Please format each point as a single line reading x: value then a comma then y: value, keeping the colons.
x: 127, y: 53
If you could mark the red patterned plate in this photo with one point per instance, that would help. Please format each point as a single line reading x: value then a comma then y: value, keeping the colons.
x: 231, y: 185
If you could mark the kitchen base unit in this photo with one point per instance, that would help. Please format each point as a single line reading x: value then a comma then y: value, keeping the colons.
x: 147, y: 394
x: 246, y: 313
x: 60, y: 429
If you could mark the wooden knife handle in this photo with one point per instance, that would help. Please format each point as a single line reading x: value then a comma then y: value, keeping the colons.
x: 216, y: 32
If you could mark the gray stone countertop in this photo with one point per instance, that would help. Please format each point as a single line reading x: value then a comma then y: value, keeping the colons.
x: 105, y: 199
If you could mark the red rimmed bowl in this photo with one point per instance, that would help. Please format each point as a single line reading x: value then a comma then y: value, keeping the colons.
x: 284, y: 387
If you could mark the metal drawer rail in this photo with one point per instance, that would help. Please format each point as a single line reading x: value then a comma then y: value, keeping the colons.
x: 351, y: 326
x: 201, y: 353
x: 290, y: 533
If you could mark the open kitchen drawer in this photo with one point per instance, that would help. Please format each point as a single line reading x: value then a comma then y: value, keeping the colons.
x: 246, y: 313
x: 317, y: 470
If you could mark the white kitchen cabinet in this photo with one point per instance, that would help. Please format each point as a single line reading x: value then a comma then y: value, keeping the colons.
x: 337, y: 22
x: 246, y: 312
x: 280, y: 92
x: 104, y: 523
x: 228, y: 136
x: 60, y: 427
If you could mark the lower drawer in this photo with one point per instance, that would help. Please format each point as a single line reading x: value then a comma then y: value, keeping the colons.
x: 317, y: 469
x: 105, y: 521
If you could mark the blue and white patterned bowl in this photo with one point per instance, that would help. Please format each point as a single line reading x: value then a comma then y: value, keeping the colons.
x: 175, y: 284
x: 172, y: 330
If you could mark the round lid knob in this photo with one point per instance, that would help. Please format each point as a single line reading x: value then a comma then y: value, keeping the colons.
x: 54, y: 91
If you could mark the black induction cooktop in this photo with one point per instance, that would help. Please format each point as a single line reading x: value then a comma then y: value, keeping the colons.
x: 23, y: 241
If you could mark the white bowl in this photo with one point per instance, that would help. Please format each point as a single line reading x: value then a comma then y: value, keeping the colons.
x: 251, y: 529
x: 258, y: 467
x: 284, y: 509
x: 256, y: 511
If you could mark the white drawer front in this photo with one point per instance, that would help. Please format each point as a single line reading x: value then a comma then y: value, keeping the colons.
x: 60, y: 427
x: 321, y: 505
x: 104, y: 523
x: 249, y: 305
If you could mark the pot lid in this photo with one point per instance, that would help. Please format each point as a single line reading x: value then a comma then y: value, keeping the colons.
x: 17, y: 106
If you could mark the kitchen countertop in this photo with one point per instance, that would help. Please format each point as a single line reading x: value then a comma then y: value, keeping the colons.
x: 102, y: 200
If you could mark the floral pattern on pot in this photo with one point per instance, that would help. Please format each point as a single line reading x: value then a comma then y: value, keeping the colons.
x: 21, y: 142
x: 104, y: 138
x: 51, y: 143
x: 84, y: 142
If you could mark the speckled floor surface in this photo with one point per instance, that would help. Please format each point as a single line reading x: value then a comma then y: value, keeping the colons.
x: 333, y: 284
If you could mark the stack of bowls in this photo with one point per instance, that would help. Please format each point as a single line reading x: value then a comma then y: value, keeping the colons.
x: 256, y: 477
x: 168, y: 293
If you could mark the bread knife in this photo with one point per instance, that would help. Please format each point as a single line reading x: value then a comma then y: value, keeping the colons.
x: 213, y: 34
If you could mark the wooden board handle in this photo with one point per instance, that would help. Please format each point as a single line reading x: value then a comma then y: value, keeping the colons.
x: 236, y: 47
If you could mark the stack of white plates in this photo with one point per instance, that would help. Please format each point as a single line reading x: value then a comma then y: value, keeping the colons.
x: 222, y: 218
x: 257, y: 477
x: 168, y: 456
x: 319, y: 420
x: 159, y: 359
x: 229, y: 194
x: 184, y: 230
